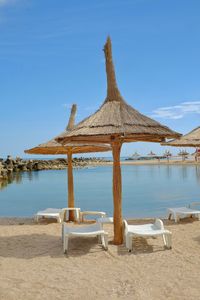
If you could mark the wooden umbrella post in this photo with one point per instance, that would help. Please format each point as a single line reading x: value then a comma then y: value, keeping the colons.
x: 117, y: 193
x: 70, y: 186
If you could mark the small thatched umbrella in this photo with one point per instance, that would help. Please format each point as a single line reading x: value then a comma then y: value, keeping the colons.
x: 53, y: 147
x: 167, y: 154
x: 135, y: 155
x: 116, y: 122
x: 152, y: 154
x: 191, y: 139
x: 184, y: 154
x: 196, y: 154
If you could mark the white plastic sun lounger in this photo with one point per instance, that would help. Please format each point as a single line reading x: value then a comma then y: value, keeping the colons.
x: 84, y: 231
x: 177, y: 212
x: 56, y: 213
x: 146, y: 230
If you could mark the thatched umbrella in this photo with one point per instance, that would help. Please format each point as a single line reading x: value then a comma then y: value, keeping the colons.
x: 135, y: 155
x: 184, y: 154
x: 116, y: 122
x: 167, y: 154
x: 152, y: 154
x: 191, y: 139
x: 196, y: 154
x: 53, y: 147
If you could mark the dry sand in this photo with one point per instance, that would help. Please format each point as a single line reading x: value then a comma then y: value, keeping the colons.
x: 33, y: 266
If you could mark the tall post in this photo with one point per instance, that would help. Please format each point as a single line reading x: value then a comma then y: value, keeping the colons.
x: 117, y: 193
x: 70, y: 186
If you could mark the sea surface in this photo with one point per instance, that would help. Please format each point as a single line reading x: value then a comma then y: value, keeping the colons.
x: 148, y: 190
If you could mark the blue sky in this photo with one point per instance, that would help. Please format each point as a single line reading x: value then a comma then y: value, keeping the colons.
x: 51, y: 56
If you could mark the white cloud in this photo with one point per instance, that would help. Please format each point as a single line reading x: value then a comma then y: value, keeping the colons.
x: 177, y: 111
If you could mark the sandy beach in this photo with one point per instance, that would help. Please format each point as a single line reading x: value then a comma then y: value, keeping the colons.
x: 33, y: 265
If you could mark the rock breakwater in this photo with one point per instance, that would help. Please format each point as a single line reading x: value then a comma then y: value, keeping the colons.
x: 9, y: 165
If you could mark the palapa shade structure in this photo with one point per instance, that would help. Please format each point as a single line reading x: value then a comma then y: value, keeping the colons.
x: 191, y: 139
x: 151, y: 153
x: 53, y: 147
x: 116, y: 122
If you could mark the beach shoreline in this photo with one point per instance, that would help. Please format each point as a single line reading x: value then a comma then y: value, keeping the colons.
x: 148, y: 162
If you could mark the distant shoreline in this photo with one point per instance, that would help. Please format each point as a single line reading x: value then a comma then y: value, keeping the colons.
x: 148, y: 162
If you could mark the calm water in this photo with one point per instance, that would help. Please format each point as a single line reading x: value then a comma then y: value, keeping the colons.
x: 147, y: 190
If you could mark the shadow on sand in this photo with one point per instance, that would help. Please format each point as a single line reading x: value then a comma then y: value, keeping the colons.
x: 141, y: 246
x: 39, y: 245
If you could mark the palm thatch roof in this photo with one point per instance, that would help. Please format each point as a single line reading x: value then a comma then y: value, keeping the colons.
x: 191, y: 139
x: 151, y: 153
x: 116, y: 118
x: 167, y: 153
x: 183, y: 153
x: 53, y: 147
x: 135, y: 154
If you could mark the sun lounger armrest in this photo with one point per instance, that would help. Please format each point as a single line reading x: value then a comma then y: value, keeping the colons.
x: 125, y: 227
x: 159, y: 224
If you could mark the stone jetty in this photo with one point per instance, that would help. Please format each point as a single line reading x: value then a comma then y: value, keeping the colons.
x: 9, y: 165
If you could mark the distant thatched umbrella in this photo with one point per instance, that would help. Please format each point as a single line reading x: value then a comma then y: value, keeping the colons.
x: 135, y: 155
x: 191, y: 139
x: 116, y: 122
x: 183, y: 154
x: 196, y: 154
x: 53, y: 147
x: 152, y: 154
x: 167, y: 154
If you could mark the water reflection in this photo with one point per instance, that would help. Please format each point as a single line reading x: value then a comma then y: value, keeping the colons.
x: 18, y: 178
x: 147, y: 190
x: 184, y: 172
x: 197, y: 172
x: 168, y: 172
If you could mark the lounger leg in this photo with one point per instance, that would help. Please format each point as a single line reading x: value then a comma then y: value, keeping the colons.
x: 169, y: 216
x: 62, y: 232
x: 78, y: 216
x: 65, y: 244
x: 168, y: 237
x: 81, y: 217
x: 175, y: 218
x: 99, y: 239
x: 164, y: 239
x: 104, y: 240
x: 129, y: 241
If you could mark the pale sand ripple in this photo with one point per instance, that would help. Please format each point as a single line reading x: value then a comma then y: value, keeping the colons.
x: 33, y: 266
